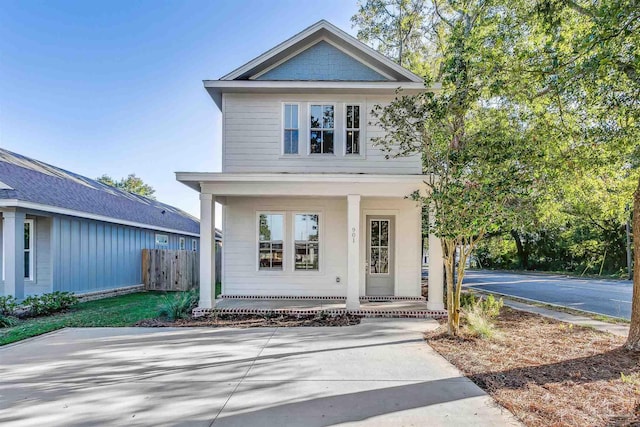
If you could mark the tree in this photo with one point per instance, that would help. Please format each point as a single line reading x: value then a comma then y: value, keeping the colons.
x: 131, y: 184
x: 396, y: 28
x: 586, y: 60
x: 478, y: 161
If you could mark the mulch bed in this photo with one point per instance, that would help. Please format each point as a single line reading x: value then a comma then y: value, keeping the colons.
x: 255, y: 321
x: 550, y: 373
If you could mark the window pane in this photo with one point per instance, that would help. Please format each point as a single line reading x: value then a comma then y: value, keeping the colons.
x: 316, y: 142
x: 349, y: 116
x: 271, y: 226
x: 265, y: 259
x: 355, y: 149
x: 294, y: 116
x: 356, y: 116
x: 327, y: 142
x: 306, y: 227
x: 384, y: 233
x: 276, y: 257
x: 316, y: 116
x: 312, y: 256
x: 26, y: 235
x: 375, y: 233
x: 383, y: 263
x: 375, y: 260
x: 27, y: 266
x: 291, y: 142
x: 328, y: 116
x: 287, y: 116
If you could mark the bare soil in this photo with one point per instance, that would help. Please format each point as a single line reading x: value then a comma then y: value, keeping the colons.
x: 255, y: 321
x: 550, y: 373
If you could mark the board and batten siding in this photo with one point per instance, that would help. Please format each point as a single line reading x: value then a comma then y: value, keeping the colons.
x: 253, y: 133
x: 92, y: 255
x: 240, y: 274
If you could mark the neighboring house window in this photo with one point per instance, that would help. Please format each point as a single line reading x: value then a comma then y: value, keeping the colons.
x: 321, y: 127
x: 162, y: 240
x: 183, y: 245
x: 352, y: 141
x: 306, y: 231
x: 290, y: 128
x: 270, y: 241
x: 29, y: 233
x: 194, y: 245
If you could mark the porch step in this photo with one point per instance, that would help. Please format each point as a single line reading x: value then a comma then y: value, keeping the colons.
x: 369, y: 313
x: 366, y: 298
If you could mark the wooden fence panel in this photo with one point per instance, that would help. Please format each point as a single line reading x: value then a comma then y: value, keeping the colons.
x: 170, y: 270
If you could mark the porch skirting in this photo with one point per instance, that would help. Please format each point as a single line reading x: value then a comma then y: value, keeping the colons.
x: 323, y: 298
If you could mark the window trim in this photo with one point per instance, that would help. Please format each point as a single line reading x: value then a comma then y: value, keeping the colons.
x: 320, y: 269
x: 164, y: 245
x: 283, y: 129
x: 361, y: 129
x: 309, y: 129
x: 284, y: 241
x: 194, y: 245
x: 182, y: 244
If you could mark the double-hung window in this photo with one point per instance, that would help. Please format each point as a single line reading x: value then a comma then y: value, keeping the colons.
x: 321, y: 129
x: 182, y: 243
x: 270, y: 241
x: 28, y: 248
x: 352, y: 140
x: 306, y: 231
x: 290, y: 128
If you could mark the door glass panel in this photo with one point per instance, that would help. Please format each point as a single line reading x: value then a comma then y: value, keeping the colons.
x: 375, y: 233
x: 379, y: 247
x: 384, y: 233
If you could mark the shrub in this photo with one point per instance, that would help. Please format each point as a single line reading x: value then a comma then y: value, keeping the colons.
x: 178, y: 305
x: 468, y: 300
x: 490, y: 306
x: 479, y: 324
x: 8, y: 305
x: 41, y: 305
x: 6, y: 321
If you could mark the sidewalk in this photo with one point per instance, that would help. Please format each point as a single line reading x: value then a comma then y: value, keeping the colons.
x: 615, y: 329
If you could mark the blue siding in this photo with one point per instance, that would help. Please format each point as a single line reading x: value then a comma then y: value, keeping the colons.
x: 322, y: 61
x: 91, y: 255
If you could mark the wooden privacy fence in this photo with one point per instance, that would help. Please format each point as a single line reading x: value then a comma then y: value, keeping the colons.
x: 170, y: 270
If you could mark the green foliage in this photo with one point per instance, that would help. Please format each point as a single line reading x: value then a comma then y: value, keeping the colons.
x: 178, y: 305
x: 41, y: 305
x: 7, y: 321
x: 124, y: 310
x: 8, y: 305
x: 479, y: 324
x: 468, y: 300
x: 131, y: 184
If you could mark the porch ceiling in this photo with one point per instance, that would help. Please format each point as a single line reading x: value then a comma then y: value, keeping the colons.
x: 273, y: 184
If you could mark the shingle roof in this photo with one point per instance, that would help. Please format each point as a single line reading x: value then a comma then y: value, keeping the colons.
x: 30, y: 180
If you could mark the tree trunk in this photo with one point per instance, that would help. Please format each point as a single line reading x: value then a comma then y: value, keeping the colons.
x: 633, y: 342
x: 453, y: 300
x: 523, y: 253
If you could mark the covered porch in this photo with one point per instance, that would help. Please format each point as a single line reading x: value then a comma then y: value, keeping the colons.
x: 359, y: 270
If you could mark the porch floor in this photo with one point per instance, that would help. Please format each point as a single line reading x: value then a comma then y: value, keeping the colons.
x: 417, y: 309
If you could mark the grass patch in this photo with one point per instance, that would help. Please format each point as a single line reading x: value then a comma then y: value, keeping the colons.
x: 124, y: 310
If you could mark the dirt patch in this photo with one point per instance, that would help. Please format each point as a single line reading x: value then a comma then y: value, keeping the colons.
x: 548, y: 372
x: 255, y: 321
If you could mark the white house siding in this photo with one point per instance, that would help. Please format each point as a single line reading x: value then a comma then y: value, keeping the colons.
x: 253, y: 133
x: 240, y: 273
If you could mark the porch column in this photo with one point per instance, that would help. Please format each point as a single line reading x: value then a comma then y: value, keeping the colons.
x: 353, y: 252
x: 207, y: 254
x: 13, y: 239
x: 435, y: 299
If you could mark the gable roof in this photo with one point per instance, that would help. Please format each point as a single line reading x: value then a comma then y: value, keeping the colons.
x: 323, y: 30
x: 31, y: 183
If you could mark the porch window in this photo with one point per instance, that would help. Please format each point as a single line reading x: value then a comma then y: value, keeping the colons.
x: 183, y: 244
x: 270, y: 241
x: 322, y: 128
x: 306, y: 241
x: 28, y: 248
x: 194, y: 245
x: 352, y: 140
x: 290, y: 128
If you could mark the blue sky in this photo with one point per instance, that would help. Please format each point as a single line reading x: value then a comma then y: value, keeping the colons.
x: 115, y: 87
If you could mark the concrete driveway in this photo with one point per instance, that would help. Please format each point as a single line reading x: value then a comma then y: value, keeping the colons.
x: 378, y: 373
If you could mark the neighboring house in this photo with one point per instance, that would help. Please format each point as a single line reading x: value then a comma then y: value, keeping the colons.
x: 310, y: 207
x: 64, y: 232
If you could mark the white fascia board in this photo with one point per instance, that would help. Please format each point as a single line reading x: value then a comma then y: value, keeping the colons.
x: 347, y: 38
x: 252, y: 85
x: 70, y: 212
x: 204, y: 177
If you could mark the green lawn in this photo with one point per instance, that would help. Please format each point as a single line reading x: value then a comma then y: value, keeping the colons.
x: 123, y: 310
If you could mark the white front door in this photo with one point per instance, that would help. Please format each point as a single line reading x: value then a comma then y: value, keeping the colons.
x: 380, y: 255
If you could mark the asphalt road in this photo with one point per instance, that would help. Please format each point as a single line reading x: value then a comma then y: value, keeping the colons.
x: 609, y: 297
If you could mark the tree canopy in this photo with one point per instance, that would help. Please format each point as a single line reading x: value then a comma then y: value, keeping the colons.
x: 131, y: 184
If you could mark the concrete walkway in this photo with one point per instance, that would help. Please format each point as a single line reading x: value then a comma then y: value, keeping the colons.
x: 378, y: 373
x: 615, y: 329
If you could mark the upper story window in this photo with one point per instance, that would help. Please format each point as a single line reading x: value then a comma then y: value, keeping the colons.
x: 321, y: 129
x: 352, y: 131
x: 291, y: 128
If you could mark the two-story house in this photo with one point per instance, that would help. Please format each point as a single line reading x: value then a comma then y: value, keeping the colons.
x: 311, y: 207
